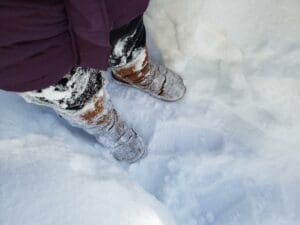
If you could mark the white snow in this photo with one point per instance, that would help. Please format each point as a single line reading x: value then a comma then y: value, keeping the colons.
x: 228, y: 154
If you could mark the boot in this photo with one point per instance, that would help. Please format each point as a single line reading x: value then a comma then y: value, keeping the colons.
x: 155, y: 79
x: 100, y: 119
x: 81, y: 99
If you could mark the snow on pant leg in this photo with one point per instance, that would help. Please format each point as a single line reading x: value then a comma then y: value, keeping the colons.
x: 81, y: 98
x: 127, y: 41
x: 129, y: 56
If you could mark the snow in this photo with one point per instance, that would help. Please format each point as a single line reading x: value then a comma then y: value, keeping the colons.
x: 228, y: 154
x: 44, y: 187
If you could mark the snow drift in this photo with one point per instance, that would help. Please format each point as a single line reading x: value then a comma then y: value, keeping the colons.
x: 44, y: 182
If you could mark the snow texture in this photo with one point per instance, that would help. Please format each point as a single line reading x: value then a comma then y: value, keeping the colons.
x: 228, y: 154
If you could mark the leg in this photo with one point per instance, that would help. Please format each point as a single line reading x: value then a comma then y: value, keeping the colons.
x: 81, y: 98
x: 130, y: 64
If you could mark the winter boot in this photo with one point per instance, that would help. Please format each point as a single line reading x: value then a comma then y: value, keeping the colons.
x: 130, y: 64
x: 157, y: 80
x: 81, y: 99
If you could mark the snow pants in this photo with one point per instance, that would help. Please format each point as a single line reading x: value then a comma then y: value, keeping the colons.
x: 76, y: 89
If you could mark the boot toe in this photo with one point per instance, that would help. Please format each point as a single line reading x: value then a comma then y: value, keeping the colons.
x: 174, y: 88
x: 131, y: 151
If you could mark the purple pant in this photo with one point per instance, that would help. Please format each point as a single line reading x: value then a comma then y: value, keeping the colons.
x: 75, y: 89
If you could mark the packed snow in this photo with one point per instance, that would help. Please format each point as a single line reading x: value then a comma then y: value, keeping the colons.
x: 227, y: 154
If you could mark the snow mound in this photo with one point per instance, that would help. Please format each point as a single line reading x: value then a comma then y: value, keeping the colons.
x: 44, y: 182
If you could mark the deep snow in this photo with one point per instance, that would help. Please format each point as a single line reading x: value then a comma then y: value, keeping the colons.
x: 228, y: 154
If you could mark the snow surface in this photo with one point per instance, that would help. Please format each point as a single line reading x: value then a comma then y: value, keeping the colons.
x: 228, y: 154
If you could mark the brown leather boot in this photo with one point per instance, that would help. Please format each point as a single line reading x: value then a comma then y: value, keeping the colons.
x: 157, y: 80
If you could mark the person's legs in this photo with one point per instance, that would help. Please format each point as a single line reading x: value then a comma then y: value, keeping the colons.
x: 130, y: 64
x: 80, y: 97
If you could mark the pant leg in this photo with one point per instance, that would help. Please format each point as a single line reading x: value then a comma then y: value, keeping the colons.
x: 72, y: 92
x: 127, y: 42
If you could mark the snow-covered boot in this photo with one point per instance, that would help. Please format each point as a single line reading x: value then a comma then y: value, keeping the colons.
x: 81, y: 99
x: 130, y: 64
x: 101, y: 119
x: 155, y: 79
